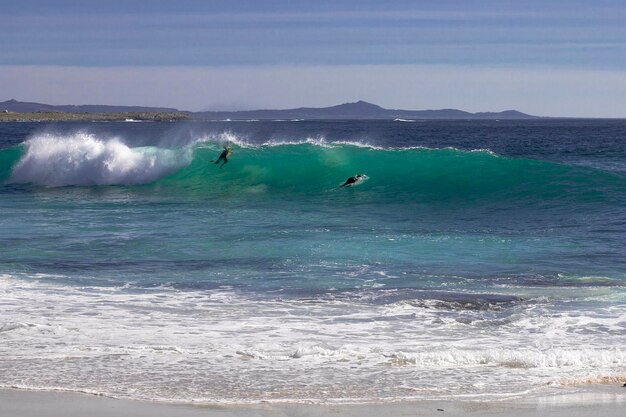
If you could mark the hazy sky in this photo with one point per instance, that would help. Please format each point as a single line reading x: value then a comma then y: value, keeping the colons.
x: 549, y: 57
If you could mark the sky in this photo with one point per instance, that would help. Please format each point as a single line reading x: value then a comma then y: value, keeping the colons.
x: 549, y: 57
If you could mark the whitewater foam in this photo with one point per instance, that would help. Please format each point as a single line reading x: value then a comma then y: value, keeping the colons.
x: 221, y: 139
x: 319, y: 141
x: 261, y: 348
x: 83, y: 159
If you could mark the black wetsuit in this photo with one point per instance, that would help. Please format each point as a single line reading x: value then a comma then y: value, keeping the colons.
x: 351, y: 180
x: 223, y: 156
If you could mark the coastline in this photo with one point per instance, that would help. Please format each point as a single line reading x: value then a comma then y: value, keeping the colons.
x: 607, y: 401
x: 94, y: 117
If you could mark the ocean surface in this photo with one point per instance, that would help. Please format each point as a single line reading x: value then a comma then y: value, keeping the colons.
x: 479, y: 260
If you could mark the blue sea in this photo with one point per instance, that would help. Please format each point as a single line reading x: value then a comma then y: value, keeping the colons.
x: 478, y: 260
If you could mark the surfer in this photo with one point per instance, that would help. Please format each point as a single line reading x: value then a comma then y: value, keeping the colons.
x: 353, y: 180
x: 224, y: 156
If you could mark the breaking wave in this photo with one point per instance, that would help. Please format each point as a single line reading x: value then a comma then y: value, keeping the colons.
x: 83, y: 159
x: 309, y: 166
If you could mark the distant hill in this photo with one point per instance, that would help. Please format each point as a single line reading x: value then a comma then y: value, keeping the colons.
x: 26, y: 107
x: 358, y: 110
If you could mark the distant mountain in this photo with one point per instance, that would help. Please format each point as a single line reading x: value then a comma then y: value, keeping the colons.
x: 358, y: 110
x: 25, y: 107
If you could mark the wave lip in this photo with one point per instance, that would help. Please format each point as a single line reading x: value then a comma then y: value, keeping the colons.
x: 83, y: 159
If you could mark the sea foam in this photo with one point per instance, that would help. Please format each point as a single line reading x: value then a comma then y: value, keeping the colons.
x: 84, y: 159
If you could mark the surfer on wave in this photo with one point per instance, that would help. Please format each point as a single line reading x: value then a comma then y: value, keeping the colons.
x: 224, y: 155
x: 353, y: 180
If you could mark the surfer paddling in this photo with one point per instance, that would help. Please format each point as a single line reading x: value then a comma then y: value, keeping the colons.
x: 224, y: 156
x: 353, y: 180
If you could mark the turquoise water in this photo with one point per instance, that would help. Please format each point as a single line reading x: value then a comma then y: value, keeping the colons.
x: 478, y: 260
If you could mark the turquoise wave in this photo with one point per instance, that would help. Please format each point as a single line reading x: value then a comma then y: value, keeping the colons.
x: 8, y: 158
x: 304, y: 169
x: 393, y: 174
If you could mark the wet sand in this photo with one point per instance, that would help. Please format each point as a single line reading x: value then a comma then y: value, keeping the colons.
x: 606, y: 402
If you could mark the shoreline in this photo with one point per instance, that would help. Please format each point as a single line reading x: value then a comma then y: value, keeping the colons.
x: 94, y: 117
x: 607, y: 401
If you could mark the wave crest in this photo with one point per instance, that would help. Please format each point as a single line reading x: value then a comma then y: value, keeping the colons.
x: 82, y: 159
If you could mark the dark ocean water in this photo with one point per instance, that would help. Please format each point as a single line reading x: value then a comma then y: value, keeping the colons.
x: 479, y: 259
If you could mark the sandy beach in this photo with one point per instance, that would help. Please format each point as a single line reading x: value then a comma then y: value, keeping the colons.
x: 606, y: 401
